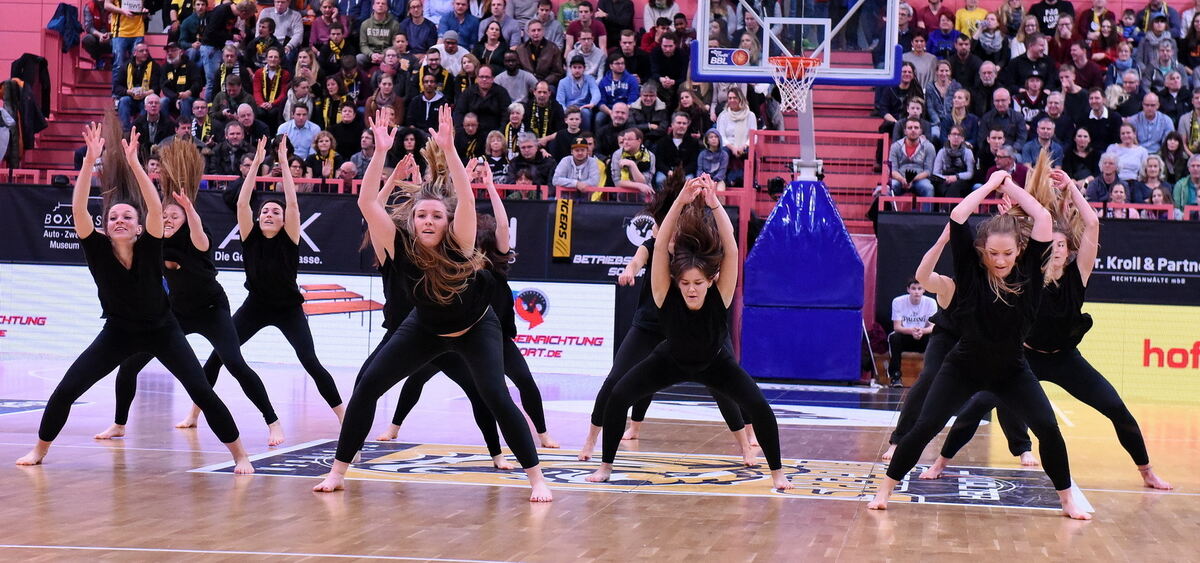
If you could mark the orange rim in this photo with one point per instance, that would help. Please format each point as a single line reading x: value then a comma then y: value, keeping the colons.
x: 796, y: 66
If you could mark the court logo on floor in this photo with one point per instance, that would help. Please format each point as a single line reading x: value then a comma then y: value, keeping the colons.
x: 661, y: 473
x: 14, y: 406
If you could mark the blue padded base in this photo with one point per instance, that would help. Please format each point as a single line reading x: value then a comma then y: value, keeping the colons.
x: 802, y: 343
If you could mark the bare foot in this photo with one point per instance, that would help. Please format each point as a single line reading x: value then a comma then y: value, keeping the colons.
x: 750, y: 435
x: 114, y: 431
x: 589, y: 443
x: 936, y: 469
x: 748, y: 457
x: 1029, y: 460
x: 779, y: 481
x: 241, y: 461
x: 540, y: 491
x: 743, y: 443
x: 243, y: 467
x: 189, y: 422
x: 633, y: 432
x: 274, y: 434
x: 36, y: 455
x: 547, y: 440
x: 887, y: 456
x: 335, y: 480
x: 1070, y: 508
x: 340, y: 412
x: 1151, y: 480
x: 500, y: 463
x: 389, y: 434
x: 601, y: 475
x: 886, y: 486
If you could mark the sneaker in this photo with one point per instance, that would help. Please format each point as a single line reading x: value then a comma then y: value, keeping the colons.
x: 896, y: 384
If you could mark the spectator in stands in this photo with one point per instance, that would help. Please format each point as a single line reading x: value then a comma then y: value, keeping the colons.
x: 1187, y: 187
x: 491, y: 47
x: 542, y: 114
x: 530, y: 155
x: 1082, y: 161
x: 352, y: 82
x: 1033, y: 61
x: 981, y: 94
x: 560, y: 145
x: 1117, y: 195
x: 633, y: 166
x: 1189, y: 46
x: 910, y: 326
x: 579, y: 89
x: 1087, y: 73
x: 954, y: 165
x: 677, y: 149
x: 941, y: 40
x: 959, y: 114
x: 227, y: 157
x: 422, y: 109
x: 1006, y: 161
x: 684, y: 33
x: 128, y: 29
x: 495, y: 155
x: 964, y: 65
x: 1122, y: 64
x: 328, y: 102
x: 649, y: 114
x: 552, y: 30
x: 1173, y: 98
x: 579, y: 170
x: 1064, y: 125
x: 271, y: 85
x: 1155, y: 76
x: 385, y: 96
x: 222, y: 26
x: 422, y: 33
x: 406, y: 61
x: 1074, y: 98
x: 1130, y: 155
x: 538, y: 56
x: 586, y: 22
x: 300, y: 131
x: 1001, y: 116
x: 992, y: 41
x: 347, y: 173
x: 140, y: 78
x: 451, y: 52
x: 1158, y: 32
x: 669, y: 66
x: 255, y: 53
x: 182, y: 82
x: 376, y: 33
x: 968, y: 18
x: 330, y: 16
x: 513, y: 127
x: 1104, y: 125
x: 462, y: 22
x: 365, y: 153
x: 324, y: 160
x: 96, y: 38
x: 204, y: 127
x: 937, y: 97
x: 617, y: 16
x: 653, y: 34
x: 1060, y: 40
x: 1030, y: 100
x: 608, y: 135
x: 1098, y: 188
x: 986, y: 155
x: 714, y: 159
x: 517, y: 81
x: 253, y: 128
x: 592, y: 56
x: 347, y: 131
x: 891, y: 100
x: 1162, y: 196
x: 329, y: 52
x: 1043, y: 140
x: 735, y: 123
x: 469, y: 140
x: 153, y: 125
x: 183, y: 133
x: 229, y: 65
x: 1152, y: 176
x: 1050, y: 12
x: 616, y: 86
x: 289, y: 28
x: 1189, y: 125
x: 488, y: 102
x: 914, y: 108
x: 510, y: 28
x: 911, y: 159
x: 444, y: 81
x: 1174, y: 157
x: 637, y: 61
x: 928, y: 17
x: 922, y: 61
x: 1151, y: 125
x: 300, y: 94
x: 225, y: 105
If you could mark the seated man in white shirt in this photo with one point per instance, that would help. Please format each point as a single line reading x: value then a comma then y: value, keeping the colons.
x: 910, y: 326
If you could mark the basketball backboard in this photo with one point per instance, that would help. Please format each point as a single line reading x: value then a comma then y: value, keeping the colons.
x: 856, y: 44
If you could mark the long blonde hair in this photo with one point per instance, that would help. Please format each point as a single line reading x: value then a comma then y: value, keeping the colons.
x: 180, y: 170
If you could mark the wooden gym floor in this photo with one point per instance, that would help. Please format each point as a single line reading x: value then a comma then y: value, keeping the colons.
x: 137, y: 498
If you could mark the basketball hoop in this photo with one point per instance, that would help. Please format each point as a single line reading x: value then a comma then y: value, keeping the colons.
x: 794, y: 76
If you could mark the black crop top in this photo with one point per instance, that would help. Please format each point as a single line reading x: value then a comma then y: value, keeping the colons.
x: 396, y: 304
x: 987, y: 324
x: 1060, y: 323
x: 503, y: 302
x: 271, y: 268
x: 193, y: 283
x: 646, y: 315
x: 693, y: 337
x: 133, y: 298
x: 463, y: 311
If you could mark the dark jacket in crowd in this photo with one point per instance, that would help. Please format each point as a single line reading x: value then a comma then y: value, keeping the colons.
x: 491, y: 109
x: 669, y: 156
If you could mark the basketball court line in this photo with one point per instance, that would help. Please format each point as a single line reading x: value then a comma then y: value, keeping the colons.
x: 233, y: 552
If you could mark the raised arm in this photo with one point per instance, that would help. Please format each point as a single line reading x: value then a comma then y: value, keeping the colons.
x: 970, y: 204
x: 370, y: 202
x: 943, y: 286
x: 1089, y: 244
x: 245, y: 217
x: 1043, y: 222
x: 629, y: 274
x: 660, y: 273
x: 93, y: 138
x: 291, y: 215
x: 727, y: 281
x: 150, y: 199
x: 199, y: 239
x: 464, y: 224
x: 497, y: 210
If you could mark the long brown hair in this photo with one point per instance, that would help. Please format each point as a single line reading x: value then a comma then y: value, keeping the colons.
x: 181, y: 167
x: 696, y: 242
x: 119, y: 185
x: 486, y: 244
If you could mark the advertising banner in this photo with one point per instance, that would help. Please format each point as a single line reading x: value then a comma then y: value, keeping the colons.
x: 565, y: 327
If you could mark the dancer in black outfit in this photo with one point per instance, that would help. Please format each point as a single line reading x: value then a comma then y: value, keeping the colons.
x: 271, y: 256
x: 435, y: 257
x: 126, y: 263
x: 1052, y: 345
x: 998, y: 284
x: 644, y: 335
x: 397, y: 306
x: 197, y: 300
x: 941, y: 341
x: 491, y: 240
x: 693, y: 306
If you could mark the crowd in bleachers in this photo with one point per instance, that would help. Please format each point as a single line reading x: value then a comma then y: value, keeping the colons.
x: 1113, y: 97
x: 567, y: 93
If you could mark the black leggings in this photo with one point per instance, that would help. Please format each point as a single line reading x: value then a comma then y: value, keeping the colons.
x: 457, y: 371
x: 515, y: 368
x: 1017, y: 388
x: 723, y: 374
x: 114, y: 345
x: 940, y: 344
x: 407, y: 351
x: 1073, y: 373
x: 216, y: 326
x: 252, y: 317
x: 637, y: 346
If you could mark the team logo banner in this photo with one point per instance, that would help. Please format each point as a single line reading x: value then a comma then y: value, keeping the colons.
x: 14, y: 406
x: 662, y: 473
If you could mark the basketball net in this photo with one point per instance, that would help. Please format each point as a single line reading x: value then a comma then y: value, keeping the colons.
x: 794, y: 77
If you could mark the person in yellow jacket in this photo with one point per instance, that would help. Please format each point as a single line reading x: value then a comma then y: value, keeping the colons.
x: 127, y: 24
